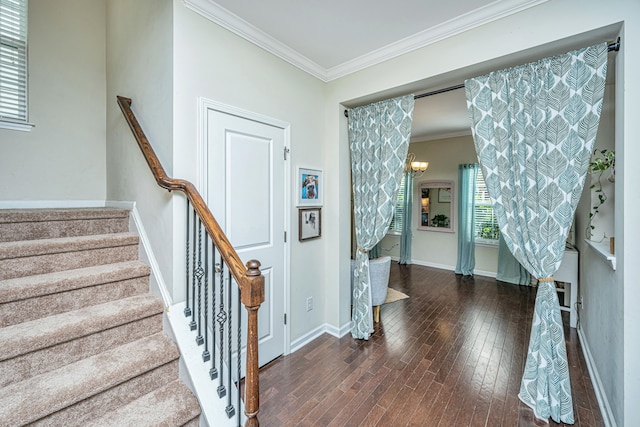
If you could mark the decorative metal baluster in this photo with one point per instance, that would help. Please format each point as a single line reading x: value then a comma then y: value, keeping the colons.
x: 213, y: 372
x: 239, y: 361
x: 193, y: 324
x: 205, y: 353
x: 230, y: 409
x: 187, y: 309
x: 199, y: 273
x: 222, y: 317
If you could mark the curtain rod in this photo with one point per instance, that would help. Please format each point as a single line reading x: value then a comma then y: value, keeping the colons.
x: 613, y: 46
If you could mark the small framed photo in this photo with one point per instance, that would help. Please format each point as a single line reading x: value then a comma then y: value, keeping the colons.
x: 310, y: 187
x: 444, y: 195
x: 309, y: 223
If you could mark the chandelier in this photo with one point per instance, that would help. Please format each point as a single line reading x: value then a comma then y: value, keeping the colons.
x: 414, y: 168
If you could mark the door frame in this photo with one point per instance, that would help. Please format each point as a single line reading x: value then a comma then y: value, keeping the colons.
x: 204, y: 106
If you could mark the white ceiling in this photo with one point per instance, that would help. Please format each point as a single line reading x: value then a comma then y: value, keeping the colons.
x: 330, y: 39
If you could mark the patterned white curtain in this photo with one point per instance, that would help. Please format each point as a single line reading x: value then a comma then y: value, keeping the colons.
x: 534, y: 127
x: 379, y: 139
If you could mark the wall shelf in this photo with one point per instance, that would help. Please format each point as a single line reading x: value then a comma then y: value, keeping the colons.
x: 602, y: 249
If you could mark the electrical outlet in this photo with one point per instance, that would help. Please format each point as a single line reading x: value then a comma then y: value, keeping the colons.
x: 309, y: 303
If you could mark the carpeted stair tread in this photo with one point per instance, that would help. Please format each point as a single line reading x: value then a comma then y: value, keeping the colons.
x: 45, y: 332
x: 171, y: 405
x: 48, y: 359
x: 39, y: 396
x: 61, y: 281
x: 33, y: 224
x: 62, y: 214
x: 29, y: 248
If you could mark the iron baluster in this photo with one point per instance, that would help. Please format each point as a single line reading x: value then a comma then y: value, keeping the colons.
x: 229, y: 409
x: 193, y: 324
x: 222, y: 317
x: 213, y: 372
x: 187, y: 309
x: 239, y: 361
x: 199, y: 273
x: 205, y: 353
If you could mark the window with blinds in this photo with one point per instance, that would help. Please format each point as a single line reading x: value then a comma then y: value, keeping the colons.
x: 486, y: 224
x: 398, y: 213
x: 13, y: 61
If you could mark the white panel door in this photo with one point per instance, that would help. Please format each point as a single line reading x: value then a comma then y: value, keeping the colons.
x: 245, y: 192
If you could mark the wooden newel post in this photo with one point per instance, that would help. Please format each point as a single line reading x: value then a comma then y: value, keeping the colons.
x: 252, y: 296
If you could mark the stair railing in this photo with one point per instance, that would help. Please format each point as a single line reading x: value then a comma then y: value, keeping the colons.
x: 250, y: 283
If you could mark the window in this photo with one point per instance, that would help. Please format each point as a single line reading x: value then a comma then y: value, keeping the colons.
x: 398, y: 214
x: 486, y: 229
x: 13, y: 64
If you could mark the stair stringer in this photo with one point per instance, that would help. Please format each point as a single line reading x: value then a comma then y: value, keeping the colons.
x: 192, y: 371
x: 195, y: 373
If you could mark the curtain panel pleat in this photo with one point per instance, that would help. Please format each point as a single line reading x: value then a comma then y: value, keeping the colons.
x: 534, y: 127
x: 509, y: 269
x: 407, y: 209
x: 378, y: 139
x: 467, y: 174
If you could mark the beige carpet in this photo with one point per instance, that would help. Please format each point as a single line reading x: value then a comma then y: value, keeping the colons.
x: 393, y: 295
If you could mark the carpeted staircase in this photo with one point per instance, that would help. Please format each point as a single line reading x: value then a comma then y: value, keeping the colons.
x: 81, y: 341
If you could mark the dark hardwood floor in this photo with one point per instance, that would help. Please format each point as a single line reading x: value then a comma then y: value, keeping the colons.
x: 450, y: 355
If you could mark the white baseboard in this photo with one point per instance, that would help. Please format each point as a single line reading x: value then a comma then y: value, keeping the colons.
x: 315, y: 333
x: 451, y: 267
x: 51, y: 204
x: 195, y: 373
x: 603, y: 402
x: 157, y: 284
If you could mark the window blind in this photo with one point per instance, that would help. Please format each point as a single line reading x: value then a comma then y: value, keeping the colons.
x: 13, y: 60
x: 398, y: 213
x: 486, y: 224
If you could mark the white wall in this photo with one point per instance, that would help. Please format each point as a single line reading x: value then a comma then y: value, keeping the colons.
x: 139, y: 66
x: 603, y: 221
x: 63, y: 157
x: 550, y: 28
x: 434, y: 248
x: 213, y: 63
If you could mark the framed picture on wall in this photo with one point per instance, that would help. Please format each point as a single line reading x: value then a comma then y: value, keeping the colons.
x: 444, y: 195
x: 309, y: 223
x: 310, y: 187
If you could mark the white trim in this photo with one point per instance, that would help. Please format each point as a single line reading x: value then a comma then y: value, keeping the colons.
x: 452, y: 268
x: 204, y: 105
x: 601, y: 396
x: 51, y: 204
x: 307, y: 338
x: 468, y: 21
x: 602, y: 249
x: 147, y: 255
x: 247, y: 31
x: 317, y: 332
x: 447, y: 135
x: 197, y: 372
x: 23, y: 127
x: 339, y: 332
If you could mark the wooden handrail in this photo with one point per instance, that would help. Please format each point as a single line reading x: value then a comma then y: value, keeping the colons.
x: 249, y: 279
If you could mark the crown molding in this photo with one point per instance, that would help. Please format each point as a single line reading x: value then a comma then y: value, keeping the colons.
x: 221, y: 16
x: 478, y: 17
x: 468, y: 21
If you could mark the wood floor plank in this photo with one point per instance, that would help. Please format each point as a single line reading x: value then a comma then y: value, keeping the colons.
x: 452, y: 354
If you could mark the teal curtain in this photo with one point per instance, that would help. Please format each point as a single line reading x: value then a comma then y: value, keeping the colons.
x: 379, y: 139
x: 375, y: 251
x: 509, y: 269
x: 534, y: 127
x: 407, y: 233
x: 467, y: 175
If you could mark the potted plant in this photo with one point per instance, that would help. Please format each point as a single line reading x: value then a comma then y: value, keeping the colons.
x: 598, y: 166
